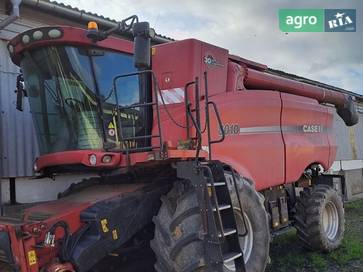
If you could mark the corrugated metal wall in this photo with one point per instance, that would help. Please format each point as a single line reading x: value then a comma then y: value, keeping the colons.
x: 18, y: 146
x: 349, y: 139
x: 18, y: 143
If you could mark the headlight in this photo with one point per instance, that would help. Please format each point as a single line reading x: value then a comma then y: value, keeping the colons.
x: 106, y: 159
x: 93, y: 159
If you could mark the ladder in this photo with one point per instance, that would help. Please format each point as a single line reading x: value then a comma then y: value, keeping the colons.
x: 220, y: 233
x: 219, y: 229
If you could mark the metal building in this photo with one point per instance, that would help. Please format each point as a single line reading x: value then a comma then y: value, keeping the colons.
x: 18, y: 147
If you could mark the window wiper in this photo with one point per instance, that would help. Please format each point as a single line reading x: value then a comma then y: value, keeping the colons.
x: 39, y: 71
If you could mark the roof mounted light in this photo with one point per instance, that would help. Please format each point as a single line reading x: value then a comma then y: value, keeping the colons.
x: 25, y: 39
x: 11, y: 49
x: 124, y: 26
x: 38, y: 35
x: 92, y: 26
x: 93, y: 32
x: 54, y: 33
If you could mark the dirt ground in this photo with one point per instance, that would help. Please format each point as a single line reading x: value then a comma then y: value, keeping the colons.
x: 288, y: 255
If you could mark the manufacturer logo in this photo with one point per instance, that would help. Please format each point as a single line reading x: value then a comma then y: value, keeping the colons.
x: 312, y: 128
x: 340, y: 20
x: 210, y: 60
x: 317, y: 20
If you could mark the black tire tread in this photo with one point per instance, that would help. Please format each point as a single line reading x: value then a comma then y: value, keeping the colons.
x: 181, y: 220
x: 308, y: 218
x: 173, y: 215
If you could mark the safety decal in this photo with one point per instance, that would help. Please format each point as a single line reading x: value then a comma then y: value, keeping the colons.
x: 104, y: 225
x: 114, y: 234
x: 171, y: 96
x: 111, y: 125
x: 32, y: 257
x: 111, y: 129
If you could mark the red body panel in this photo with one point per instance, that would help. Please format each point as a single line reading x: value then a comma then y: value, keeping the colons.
x: 78, y: 157
x: 186, y: 60
x: 305, y: 133
x: 253, y: 138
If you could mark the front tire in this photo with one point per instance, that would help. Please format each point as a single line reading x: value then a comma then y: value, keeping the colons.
x: 178, y: 245
x: 256, y: 245
x: 319, y: 218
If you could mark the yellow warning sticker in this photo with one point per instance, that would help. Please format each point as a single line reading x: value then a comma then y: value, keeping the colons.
x: 111, y: 125
x: 114, y: 234
x: 104, y: 225
x: 209, y: 191
x: 153, y: 51
x: 32, y: 257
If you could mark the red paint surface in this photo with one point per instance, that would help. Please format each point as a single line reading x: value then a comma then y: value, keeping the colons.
x: 258, y: 155
x: 304, y: 148
x: 78, y: 157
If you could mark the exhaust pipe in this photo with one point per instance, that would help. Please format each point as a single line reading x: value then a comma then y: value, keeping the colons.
x: 15, y: 14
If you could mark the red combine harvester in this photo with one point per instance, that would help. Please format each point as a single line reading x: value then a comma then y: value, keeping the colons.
x: 211, y: 152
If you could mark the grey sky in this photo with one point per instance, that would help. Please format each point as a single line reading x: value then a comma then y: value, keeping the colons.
x: 249, y: 28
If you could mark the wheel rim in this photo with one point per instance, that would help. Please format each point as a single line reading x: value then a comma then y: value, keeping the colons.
x: 246, y: 242
x: 330, y: 220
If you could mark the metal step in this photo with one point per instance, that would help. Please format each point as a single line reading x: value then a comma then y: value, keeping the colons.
x: 222, y: 207
x: 231, y: 256
x: 227, y: 232
x: 216, y: 184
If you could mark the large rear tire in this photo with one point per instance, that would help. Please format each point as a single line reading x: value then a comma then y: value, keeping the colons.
x: 177, y: 243
x: 319, y: 218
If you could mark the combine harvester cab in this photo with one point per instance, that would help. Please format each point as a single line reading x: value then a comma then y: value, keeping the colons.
x: 180, y: 122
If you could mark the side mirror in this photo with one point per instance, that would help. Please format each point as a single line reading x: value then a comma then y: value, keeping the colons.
x: 20, y: 92
x: 142, y: 44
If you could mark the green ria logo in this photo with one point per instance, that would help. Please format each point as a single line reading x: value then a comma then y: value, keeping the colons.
x: 301, y: 20
x: 317, y: 20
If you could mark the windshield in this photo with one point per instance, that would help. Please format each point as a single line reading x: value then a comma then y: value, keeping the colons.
x: 72, y: 102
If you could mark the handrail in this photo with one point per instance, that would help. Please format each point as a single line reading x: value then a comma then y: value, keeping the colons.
x: 223, y: 134
x: 127, y: 139
x: 186, y: 103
